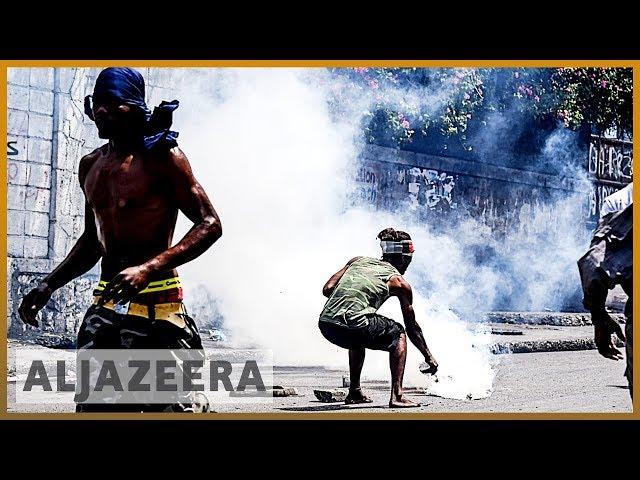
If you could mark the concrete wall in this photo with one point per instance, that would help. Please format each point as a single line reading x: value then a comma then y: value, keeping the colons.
x: 48, y: 133
x: 438, y: 188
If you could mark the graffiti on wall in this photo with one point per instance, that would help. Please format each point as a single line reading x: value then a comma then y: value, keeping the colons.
x: 367, y: 180
x: 12, y: 148
x: 610, y: 164
x: 610, y: 159
x: 427, y: 188
x: 437, y: 196
x: 502, y: 198
x: 596, y: 197
x: 13, y: 169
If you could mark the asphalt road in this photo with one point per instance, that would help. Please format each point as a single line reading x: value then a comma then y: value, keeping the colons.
x: 573, y: 381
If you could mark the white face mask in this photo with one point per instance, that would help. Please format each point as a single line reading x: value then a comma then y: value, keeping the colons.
x: 405, y: 247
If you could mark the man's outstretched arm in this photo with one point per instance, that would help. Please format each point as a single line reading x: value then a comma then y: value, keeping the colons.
x: 399, y: 287
x: 193, y: 201
x: 82, y: 257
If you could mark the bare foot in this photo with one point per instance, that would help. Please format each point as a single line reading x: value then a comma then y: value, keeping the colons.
x: 402, y: 402
x: 356, y: 396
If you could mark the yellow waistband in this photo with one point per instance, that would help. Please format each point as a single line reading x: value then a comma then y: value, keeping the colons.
x: 171, y: 312
x: 156, y: 286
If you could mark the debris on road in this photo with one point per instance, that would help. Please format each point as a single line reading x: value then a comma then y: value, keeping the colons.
x: 217, y: 335
x: 279, y: 391
x: 201, y: 403
x: 330, y: 396
x: 275, y: 391
x: 414, y: 390
x: 501, y: 331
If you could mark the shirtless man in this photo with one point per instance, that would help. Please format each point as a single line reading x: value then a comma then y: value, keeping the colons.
x: 133, y: 186
x: 349, y: 319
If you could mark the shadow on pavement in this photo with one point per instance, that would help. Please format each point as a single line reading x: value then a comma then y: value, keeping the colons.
x: 622, y: 387
x: 342, y: 406
x: 328, y: 408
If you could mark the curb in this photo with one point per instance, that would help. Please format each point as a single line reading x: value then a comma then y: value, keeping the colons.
x: 557, y: 319
x: 538, y: 346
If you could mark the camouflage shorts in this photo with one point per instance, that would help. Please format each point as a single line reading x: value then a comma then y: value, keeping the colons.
x: 105, y: 329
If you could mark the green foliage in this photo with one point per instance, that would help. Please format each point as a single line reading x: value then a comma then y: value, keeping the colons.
x: 602, y: 97
x: 411, y: 100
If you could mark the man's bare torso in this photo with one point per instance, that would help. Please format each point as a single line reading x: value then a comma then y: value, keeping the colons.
x: 135, y: 214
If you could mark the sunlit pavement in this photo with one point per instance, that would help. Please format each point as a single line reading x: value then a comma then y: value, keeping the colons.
x: 573, y: 381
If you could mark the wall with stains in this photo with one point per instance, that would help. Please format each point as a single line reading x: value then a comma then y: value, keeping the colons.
x: 439, y: 189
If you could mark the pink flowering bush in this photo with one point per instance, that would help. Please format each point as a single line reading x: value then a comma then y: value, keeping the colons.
x: 600, y: 97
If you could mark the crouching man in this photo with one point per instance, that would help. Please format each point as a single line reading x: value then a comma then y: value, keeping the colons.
x: 350, y: 319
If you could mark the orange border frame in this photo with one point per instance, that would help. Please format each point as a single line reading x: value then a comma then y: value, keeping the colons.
x: 4, y: 64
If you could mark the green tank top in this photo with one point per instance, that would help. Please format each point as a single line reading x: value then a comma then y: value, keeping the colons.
x: 360, y: 292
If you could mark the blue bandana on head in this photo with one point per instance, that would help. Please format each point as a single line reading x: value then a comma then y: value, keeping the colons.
x: 127, y: 85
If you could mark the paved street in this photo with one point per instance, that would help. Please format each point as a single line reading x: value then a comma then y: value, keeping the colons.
x: 571, y: 381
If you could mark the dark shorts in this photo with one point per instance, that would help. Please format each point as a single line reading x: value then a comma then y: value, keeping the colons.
x: 102, y: 328
x: 381, y: 333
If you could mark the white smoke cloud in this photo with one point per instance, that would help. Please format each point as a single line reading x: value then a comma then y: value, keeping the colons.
x: 276, y: 164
